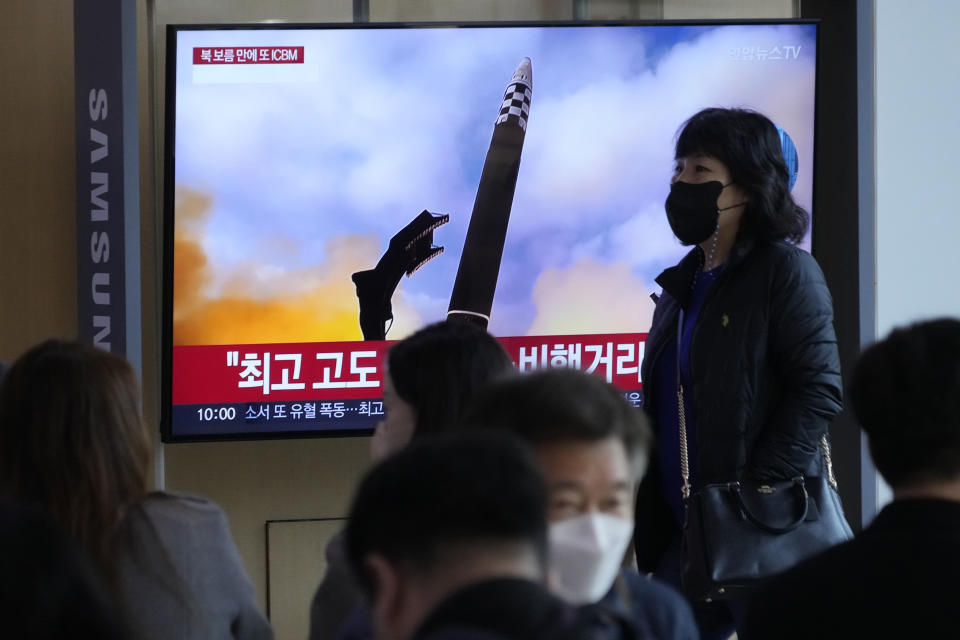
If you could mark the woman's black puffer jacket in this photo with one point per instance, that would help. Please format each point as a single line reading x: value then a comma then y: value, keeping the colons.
x: 765, y: 368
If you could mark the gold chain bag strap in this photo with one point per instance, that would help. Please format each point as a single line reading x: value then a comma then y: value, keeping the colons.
x: 736, y: 534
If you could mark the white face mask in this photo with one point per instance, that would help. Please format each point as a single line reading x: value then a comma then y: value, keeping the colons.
x: 585, y: 555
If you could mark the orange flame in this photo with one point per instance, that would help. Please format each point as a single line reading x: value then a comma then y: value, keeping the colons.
x: 261, y: 303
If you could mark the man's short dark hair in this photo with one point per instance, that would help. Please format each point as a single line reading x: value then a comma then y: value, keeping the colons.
x: 562, y: 405
x: 438, y: 369
x: 454, y: 491
x: 905, y: 393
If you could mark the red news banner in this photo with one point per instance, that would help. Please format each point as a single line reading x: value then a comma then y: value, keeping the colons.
x: 248, y: 55
x: 352, y: 370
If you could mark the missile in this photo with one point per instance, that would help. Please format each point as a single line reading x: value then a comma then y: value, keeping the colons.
x: 476, y: 280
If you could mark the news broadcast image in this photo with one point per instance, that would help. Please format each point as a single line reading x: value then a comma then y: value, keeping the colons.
x: 299, y: 153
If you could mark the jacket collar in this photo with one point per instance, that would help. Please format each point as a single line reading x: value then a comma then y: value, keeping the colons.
x: 677, y: 280
x: 512, y: 607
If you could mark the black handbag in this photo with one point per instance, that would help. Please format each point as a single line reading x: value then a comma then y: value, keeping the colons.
x: 738, y: 534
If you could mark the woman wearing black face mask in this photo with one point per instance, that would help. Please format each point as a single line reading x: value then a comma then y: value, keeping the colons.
x: 747, y: 319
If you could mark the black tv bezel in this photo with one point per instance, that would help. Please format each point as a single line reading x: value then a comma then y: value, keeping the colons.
x: 169, y: 166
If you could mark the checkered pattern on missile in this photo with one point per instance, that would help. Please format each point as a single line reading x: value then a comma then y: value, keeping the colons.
x: 516, y: 105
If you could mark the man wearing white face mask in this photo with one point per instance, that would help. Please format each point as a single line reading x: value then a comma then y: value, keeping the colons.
x: 448, y: 538
x: 592, y: 447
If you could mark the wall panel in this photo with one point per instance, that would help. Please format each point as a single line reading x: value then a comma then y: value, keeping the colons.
x: 37, y: 230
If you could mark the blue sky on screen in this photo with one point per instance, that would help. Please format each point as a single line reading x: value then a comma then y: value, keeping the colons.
x: 388, y: 122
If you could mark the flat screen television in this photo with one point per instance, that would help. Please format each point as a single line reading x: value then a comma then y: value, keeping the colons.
x: 300, y: 155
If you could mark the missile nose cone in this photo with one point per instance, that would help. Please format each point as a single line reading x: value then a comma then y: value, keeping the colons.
x: 516, y: 99
x: 524, y: 73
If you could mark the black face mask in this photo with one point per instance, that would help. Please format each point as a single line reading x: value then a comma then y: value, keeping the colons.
x: 692, y: 210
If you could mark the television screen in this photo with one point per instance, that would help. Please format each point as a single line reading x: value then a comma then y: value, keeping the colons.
x: 331, y: 189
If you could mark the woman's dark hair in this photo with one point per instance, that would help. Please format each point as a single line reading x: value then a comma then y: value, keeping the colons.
x: 72, y: 440
x: 749, y: 145
x: 438, y: 369
x: 48, y: 590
